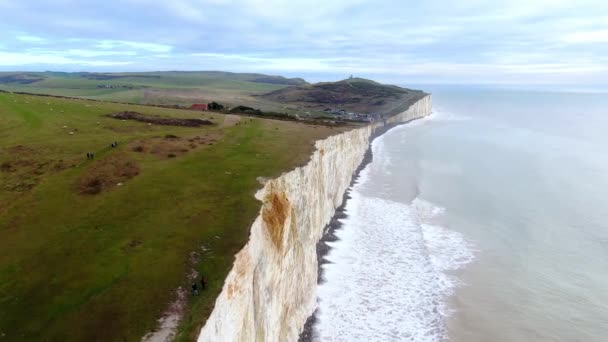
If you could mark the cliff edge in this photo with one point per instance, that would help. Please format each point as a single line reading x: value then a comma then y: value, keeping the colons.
x: 271, y: 289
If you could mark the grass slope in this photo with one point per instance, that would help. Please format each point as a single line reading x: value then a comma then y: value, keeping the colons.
x: 171, y: 87
x: 103, y: 267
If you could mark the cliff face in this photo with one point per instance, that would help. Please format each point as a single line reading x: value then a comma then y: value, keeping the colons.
x: 271, y: 290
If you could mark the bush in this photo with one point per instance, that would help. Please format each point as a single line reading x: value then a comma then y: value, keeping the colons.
x: 215, y: 106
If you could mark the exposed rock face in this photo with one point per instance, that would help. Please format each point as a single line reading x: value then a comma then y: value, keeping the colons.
x: 271, y: 290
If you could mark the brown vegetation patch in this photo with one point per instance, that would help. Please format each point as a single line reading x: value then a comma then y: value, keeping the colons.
x: 107, y: 173
x: 172, y: 146
x: 22, y: 167
x: 20, y: 149
x: 158, y: 120
x: 275, y: 211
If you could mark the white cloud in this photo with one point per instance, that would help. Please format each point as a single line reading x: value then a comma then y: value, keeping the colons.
x: 19, y: 59
x: 268, y: 63
x: 30, y: 39
x: 533, y: 38
x: 151, y: 47
x: 395, y: 65
x: 586, y: 37
x: 98, y: 53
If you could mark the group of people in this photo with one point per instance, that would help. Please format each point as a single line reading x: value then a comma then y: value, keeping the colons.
x: 92, y: 155
x: 203, y: 286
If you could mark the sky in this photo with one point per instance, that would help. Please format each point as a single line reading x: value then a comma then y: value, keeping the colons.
x: 423, y: 41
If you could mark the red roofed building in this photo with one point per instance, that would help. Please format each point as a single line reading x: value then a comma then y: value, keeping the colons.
x: 200, y: 106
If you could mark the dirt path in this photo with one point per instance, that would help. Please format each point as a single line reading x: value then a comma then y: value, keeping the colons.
x: 167, y: 324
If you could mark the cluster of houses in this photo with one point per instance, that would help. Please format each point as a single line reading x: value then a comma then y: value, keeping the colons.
x: 344, y: 115
x: 337, y: 114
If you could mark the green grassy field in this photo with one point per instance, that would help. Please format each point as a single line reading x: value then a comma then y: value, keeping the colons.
x: 182, y: 88
x: 103, y: 267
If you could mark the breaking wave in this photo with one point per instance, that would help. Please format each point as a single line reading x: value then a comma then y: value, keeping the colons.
x: 387, y: 276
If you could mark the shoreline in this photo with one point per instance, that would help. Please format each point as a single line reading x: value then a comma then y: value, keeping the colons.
x: 329, y: 231
x: 299, y: 209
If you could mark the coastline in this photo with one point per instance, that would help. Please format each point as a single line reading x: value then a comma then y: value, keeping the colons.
x: 300, y: 208
x: 329, y: 232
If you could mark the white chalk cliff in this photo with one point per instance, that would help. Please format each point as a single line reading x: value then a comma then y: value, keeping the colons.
x: 271, y: 289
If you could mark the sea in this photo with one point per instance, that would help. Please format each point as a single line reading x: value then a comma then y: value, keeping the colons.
x: 486, y: 221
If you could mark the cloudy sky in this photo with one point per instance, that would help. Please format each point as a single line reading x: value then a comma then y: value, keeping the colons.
x: 422, y: 41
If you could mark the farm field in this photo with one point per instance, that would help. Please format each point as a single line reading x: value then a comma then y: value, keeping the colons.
x: 95, y: 249
x: 158, y: 88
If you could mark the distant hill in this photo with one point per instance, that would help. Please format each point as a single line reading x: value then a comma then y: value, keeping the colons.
x: 20, y: 78
x: 355, y: 94
x: 278, y: 80
x: 267, y: 93
x: 162, y: 87
x: 32, y: 77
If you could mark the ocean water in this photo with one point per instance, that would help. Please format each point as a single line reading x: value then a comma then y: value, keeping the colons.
x: 487, y: 221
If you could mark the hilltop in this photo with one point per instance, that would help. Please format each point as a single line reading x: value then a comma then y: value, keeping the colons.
x: 353, y: 95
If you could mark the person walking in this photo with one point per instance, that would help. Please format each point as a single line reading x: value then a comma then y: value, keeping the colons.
x: 203, y: 282
x: 194, y: 289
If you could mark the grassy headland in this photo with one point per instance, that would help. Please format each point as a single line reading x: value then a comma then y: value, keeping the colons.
x: 95, y: 248
x: 102, y: 265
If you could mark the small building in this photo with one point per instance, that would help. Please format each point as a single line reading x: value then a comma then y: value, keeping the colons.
x: 199, y: 106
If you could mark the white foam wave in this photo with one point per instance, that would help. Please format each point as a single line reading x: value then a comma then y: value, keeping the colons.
x: 379, y: 149
x: 387, y: 277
